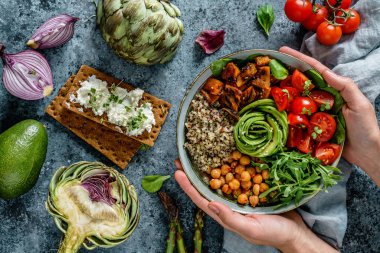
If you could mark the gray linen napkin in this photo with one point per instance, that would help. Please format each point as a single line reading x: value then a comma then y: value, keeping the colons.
x: 358, y: 57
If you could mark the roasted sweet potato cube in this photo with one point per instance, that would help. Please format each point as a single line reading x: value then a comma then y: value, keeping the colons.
x: 263, y: 78
x: 262, y: 60
x: 247, y: 73
x: 249, y: 95
x: 211, y: 99
x: 230, y: 72
x: 213, y: 86
x: 263, y: 93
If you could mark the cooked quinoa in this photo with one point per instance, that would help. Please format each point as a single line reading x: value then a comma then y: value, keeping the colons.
x: 209, y: 137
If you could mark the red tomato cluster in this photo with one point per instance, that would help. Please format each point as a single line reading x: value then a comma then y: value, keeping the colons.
x: 329, y: 21
x: 310, y: 126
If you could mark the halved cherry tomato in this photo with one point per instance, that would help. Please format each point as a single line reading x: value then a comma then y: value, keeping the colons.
x: 344, y: 4
x: 306, y: 144
x: 303, y: 105
x: 322, y: 126
x: 327, y: 153
x: 298, y: 10
x: 293, y: 92
x: 294, y: 137
x: 298, y: 120
x: 286, y: 82
x: 328, y: 34
x: 351, y: 24
x: 280, y: 97
x: 320, y: 14
x: 299, y: 80
x: 323, y: 99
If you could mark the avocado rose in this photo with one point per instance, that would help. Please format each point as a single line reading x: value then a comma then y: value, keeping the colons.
x: 261, y: 130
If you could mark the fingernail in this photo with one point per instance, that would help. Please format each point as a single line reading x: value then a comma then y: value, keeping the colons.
x: 214, y: 209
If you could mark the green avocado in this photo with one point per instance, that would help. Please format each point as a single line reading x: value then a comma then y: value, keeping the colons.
x: 22, y: 153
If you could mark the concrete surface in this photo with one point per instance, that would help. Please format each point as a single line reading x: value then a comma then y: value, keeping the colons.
x: 25, y: 225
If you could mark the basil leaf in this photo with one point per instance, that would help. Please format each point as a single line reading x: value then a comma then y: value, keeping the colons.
x: 265, y: 16
x: 317, y: 79
x: 278, y: 70
x: 218, y: 66
x: 340, y: 132
x: 153, y: 183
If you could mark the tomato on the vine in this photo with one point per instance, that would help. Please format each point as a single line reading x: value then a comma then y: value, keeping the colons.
x: 328, y: 34
x: 298, y: 120
x: 351, y: 24
x: 335, y: 3
x: 322, y: 126
x: 320, y: 14
x: 294, y: 137
x: 299, y: 81
x: 327, y: 152
x: 303, y: 105
x: 280, y: 97
x: 298, y: 10
x: 323, y: 99
x: 306, y: 144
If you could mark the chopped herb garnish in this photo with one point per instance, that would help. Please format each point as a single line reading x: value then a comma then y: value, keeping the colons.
x: 287, y: 92
x: 325, y: 106
x: 93, y: 90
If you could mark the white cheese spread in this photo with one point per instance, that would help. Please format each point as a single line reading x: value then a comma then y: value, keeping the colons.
x: 122, y: 107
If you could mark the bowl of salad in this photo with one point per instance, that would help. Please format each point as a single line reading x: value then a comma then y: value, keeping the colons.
x: 260, y: 131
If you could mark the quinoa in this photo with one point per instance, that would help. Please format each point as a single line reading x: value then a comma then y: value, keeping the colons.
x: 209, y: 137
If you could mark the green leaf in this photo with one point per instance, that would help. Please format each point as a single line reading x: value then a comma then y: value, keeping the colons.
x: 278, y: 70
x: 340, y: 132
x: 144, y: 147
x: 153, y: 183
x: 265, y: 16
x: 338, y: 101
x: 317, y: 78
x: 218, y: 66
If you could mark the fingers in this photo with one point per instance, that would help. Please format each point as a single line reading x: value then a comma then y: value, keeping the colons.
x: 178, y: 164
x: 194, y: 195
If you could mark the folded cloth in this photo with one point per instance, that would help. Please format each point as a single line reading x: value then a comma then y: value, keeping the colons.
x: 356, y: 56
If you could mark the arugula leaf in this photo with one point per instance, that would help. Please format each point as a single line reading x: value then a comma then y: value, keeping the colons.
x: 265, y: 16
x: 218, y: 66
x: 153, y: 183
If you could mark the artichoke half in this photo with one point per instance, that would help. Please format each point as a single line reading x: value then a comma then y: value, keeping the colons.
x: 93, y: 205
x: 142, y: 31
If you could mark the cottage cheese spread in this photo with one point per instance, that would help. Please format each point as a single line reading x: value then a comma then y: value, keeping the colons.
x: 122, y: 107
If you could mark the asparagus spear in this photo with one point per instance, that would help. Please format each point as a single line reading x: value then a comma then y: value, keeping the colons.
x: 198, y: 231
x: 175, y: 225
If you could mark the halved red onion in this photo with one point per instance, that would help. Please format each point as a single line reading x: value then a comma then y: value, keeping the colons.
x: 26, y: 75
x: 210, y: 40
x: 54, y: 32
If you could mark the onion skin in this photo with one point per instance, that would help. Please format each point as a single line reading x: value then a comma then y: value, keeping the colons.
x: 26, y: 75
x: 53, y: 33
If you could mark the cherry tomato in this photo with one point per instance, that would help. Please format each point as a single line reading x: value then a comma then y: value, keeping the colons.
x: 293, y: 92
x: 306, y: 144
x: 328, y: 34
x: 322, y: 126
x: 303, y: 105
x: 280, y: 97
x: 298, y: 120
x: 323, y: 99
x: 298, y: 10
x: 294, y: 137
x: 327, y: 153
x: 320, y: 14
x: 299, y: 80
x: 286, y: 82
x: 335, y: 3
x: 351, y: 24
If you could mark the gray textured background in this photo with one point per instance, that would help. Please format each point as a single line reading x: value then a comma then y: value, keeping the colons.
x: 25, y: 226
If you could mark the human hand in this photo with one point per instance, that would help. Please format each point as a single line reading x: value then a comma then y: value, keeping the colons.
x: 286, y: 232
x: 362, y: 146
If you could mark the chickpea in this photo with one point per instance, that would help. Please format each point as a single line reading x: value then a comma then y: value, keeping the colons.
x: 223, y: 180
x: 244, y: 160
x: 244, y: 176
x: 258, y: 179
x: 215, y: 184
x: 246, y: 185
x: 225, y: 169
x: 251, y: 171
x: 263, y: 200
x: 215, y: 173
x: 237, y: 176
x: 229, y: 177
x: 239, y: 169
x: 247, y: 192
x: 258, y: 170
x: 234, y: 184
x: 234, y: 164
x: 236, y: 155
x: 208, y: 171
x: 230, y: 160
x: 253, y: 200
x: 242, y: 199
x: 265, y: 174
x: 264, y: 187
x: 236, y: 193
x: 272, y: 194
x: 226, y: 189
x: 256, y: 189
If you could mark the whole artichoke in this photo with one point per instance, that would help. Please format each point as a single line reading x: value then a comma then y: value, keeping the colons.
x: 94, y: 205
x: 142, y: 31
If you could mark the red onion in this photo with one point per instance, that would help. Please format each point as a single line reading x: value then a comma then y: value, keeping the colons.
x: 26, y: 75
x: 54, y: 32
x: 210, y: 40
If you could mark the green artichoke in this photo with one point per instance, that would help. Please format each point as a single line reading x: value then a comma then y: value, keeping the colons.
x: 142, y: 31
x: 93, y: 205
